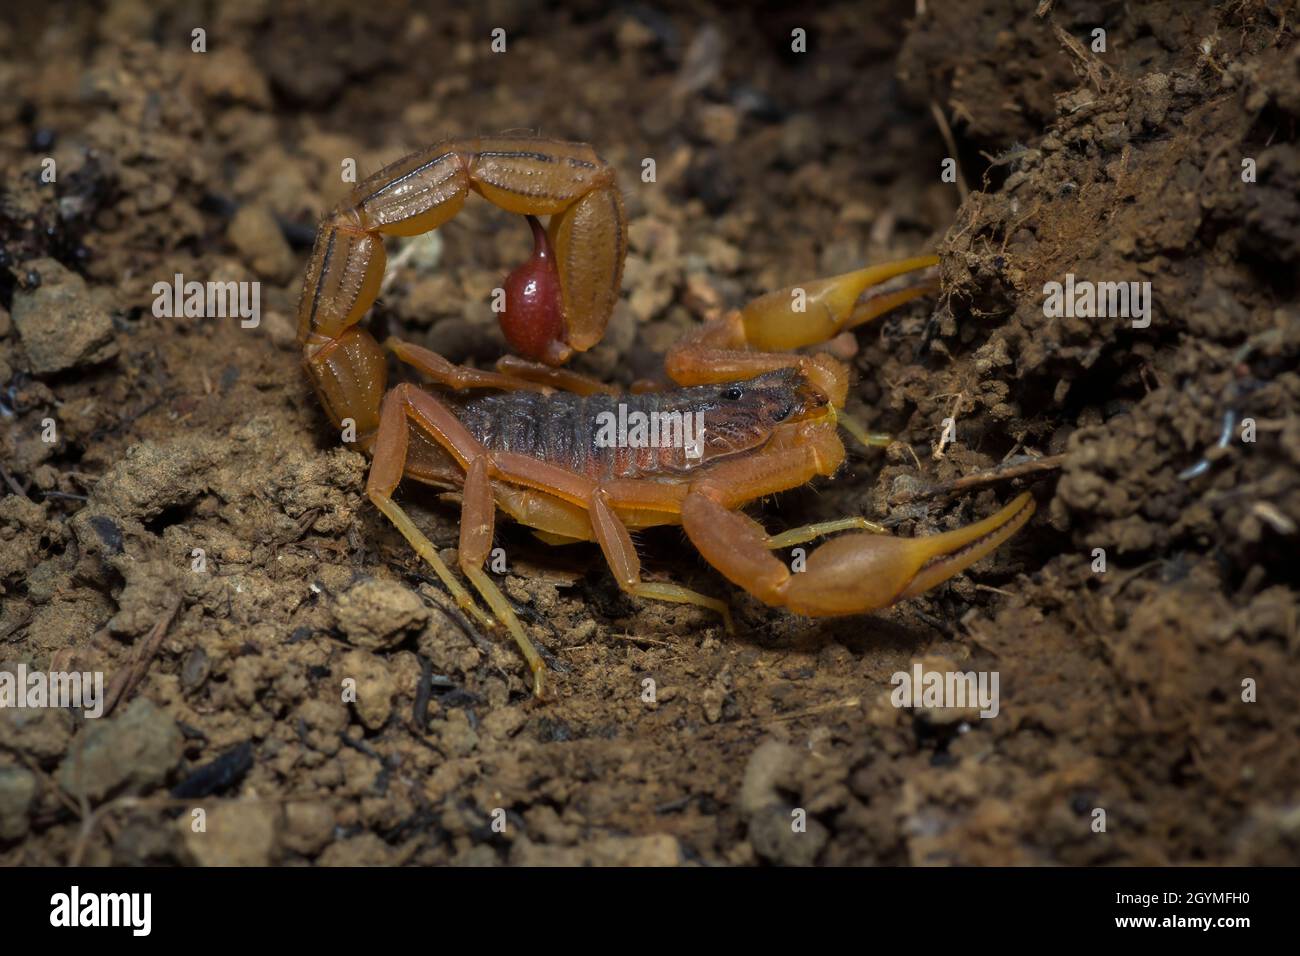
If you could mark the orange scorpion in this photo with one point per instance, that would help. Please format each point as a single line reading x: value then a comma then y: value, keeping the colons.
x: 523, y: 438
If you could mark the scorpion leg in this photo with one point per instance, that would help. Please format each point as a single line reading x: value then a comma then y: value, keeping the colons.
x: 636, y: 499
x: 390, y: 451
x: 457, y: 376
x: 561, y: 379
x: 788, y: 539
x: 512, y: 374
x: 620, y: 553
x: 477, y: 519
x: 408, y: 403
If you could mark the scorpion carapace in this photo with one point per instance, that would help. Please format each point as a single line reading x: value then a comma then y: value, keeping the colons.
x: 539, y: 450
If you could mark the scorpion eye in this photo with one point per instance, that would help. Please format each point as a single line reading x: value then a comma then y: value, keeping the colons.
x: 732, y: 394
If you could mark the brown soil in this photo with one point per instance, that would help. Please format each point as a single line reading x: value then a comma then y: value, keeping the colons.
x: 1120, y: 690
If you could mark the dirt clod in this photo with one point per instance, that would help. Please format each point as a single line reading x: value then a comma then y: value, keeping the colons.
x: 255, y: 233
x: 40, y: 733
x: 378, y: 614
x: 17, y: 794
x: 308, y: 827
x: 375, y: 687
x: 243, y: 833
x: 134, y: 751
x: 61, y: 324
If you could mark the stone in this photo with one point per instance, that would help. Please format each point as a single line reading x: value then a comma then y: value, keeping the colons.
x: 240, y: 833
x: 378, y: 614
x: 132, y: 752
x: 375, y: 687
x: 17, y: 793
x: 308, y: 827
x: 61, y: 324
x: 257, y: 236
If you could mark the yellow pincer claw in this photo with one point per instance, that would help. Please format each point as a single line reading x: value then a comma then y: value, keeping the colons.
x: 859, y: 573
x: 817, y: 311
x: 948, y: 554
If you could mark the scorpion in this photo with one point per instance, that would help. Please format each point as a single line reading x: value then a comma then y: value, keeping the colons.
x: 521, y: 439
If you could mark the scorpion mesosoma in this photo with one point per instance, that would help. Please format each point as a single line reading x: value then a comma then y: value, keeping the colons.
x: 770, y: 414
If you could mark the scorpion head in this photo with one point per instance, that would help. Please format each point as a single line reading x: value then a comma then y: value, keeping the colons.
x: 739, y: 416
